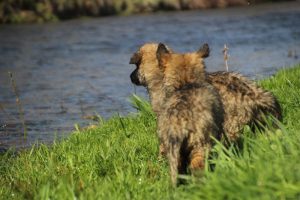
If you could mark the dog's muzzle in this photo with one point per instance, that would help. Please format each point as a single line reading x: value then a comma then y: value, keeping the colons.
x: 134, y: 77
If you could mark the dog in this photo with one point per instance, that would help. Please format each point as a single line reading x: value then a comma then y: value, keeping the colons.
x: 190, y: 111
x: 245, y: 103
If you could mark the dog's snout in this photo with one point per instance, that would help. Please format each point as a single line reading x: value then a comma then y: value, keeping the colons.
x: 134, y: 77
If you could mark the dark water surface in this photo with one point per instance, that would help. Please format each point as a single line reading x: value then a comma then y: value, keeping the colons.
x: 65, y: 71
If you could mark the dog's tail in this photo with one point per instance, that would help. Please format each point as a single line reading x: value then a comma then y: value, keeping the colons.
x: 267, y: 104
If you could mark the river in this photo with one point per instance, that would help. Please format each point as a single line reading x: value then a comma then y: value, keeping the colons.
x: 68, y: 70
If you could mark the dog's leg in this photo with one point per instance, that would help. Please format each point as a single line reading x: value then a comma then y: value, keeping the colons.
x: 197, y: 159
x: 174, y: 158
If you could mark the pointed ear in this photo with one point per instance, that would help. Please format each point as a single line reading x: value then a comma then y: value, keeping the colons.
x: 161, y: 51
x: 204, y: 51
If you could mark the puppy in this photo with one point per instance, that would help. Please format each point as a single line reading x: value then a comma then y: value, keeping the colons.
x: 245, y: 103
x: 190, y: 110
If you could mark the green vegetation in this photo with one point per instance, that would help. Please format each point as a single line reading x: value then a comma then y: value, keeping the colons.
x: 119, y: 160
x: 20, y: 11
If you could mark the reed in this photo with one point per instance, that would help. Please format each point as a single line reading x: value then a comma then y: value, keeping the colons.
x: 18, y: 103
x: 226, y: 56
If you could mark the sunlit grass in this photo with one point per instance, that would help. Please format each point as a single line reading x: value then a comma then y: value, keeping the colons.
x: 119, y: 160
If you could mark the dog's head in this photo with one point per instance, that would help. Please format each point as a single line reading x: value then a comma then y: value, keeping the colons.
x: 147, y: 69
x: 181, y: 69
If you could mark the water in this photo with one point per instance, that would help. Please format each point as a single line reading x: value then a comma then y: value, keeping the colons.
x: 66, y: 71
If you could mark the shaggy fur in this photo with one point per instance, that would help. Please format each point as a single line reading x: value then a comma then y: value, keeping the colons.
x: 191, y: 109
x: 245, y: 103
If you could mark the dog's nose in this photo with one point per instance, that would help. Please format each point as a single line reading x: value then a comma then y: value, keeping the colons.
x: 134, y: 78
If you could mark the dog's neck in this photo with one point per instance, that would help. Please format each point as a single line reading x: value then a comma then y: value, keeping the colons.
x: 173, y: 82
x: 159, y: 92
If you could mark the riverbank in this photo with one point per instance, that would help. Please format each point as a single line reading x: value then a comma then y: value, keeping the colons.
x: 30, y: 11
x: 118, y: 160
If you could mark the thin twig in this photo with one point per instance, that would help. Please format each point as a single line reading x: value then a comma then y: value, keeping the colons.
x: 226, y: 56
x: 134, y: 87
x: 18, y: 102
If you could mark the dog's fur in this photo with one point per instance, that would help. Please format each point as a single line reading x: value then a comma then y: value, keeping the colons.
x: 191, y: 110
x: 245, y: 103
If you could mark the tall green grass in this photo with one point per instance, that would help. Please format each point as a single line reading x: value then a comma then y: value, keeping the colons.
x: 119, y: 160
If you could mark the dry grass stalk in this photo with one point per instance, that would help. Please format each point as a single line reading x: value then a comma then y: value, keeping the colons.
x: 18, y: 102
x: 226, y: 56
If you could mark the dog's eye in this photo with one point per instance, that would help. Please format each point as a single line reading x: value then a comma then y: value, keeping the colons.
x: 135, y: 59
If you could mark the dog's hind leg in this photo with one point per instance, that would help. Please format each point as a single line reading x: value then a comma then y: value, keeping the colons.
x: 174, y: 159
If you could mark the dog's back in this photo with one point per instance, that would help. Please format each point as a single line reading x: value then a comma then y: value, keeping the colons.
x: 245, y: 103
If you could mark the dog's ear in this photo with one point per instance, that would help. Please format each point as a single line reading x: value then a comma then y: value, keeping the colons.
x: 135, y: 59
x: 161, y: 51
x: 203, y: 52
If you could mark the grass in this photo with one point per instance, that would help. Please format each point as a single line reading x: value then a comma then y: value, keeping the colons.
x: 119, y: 160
